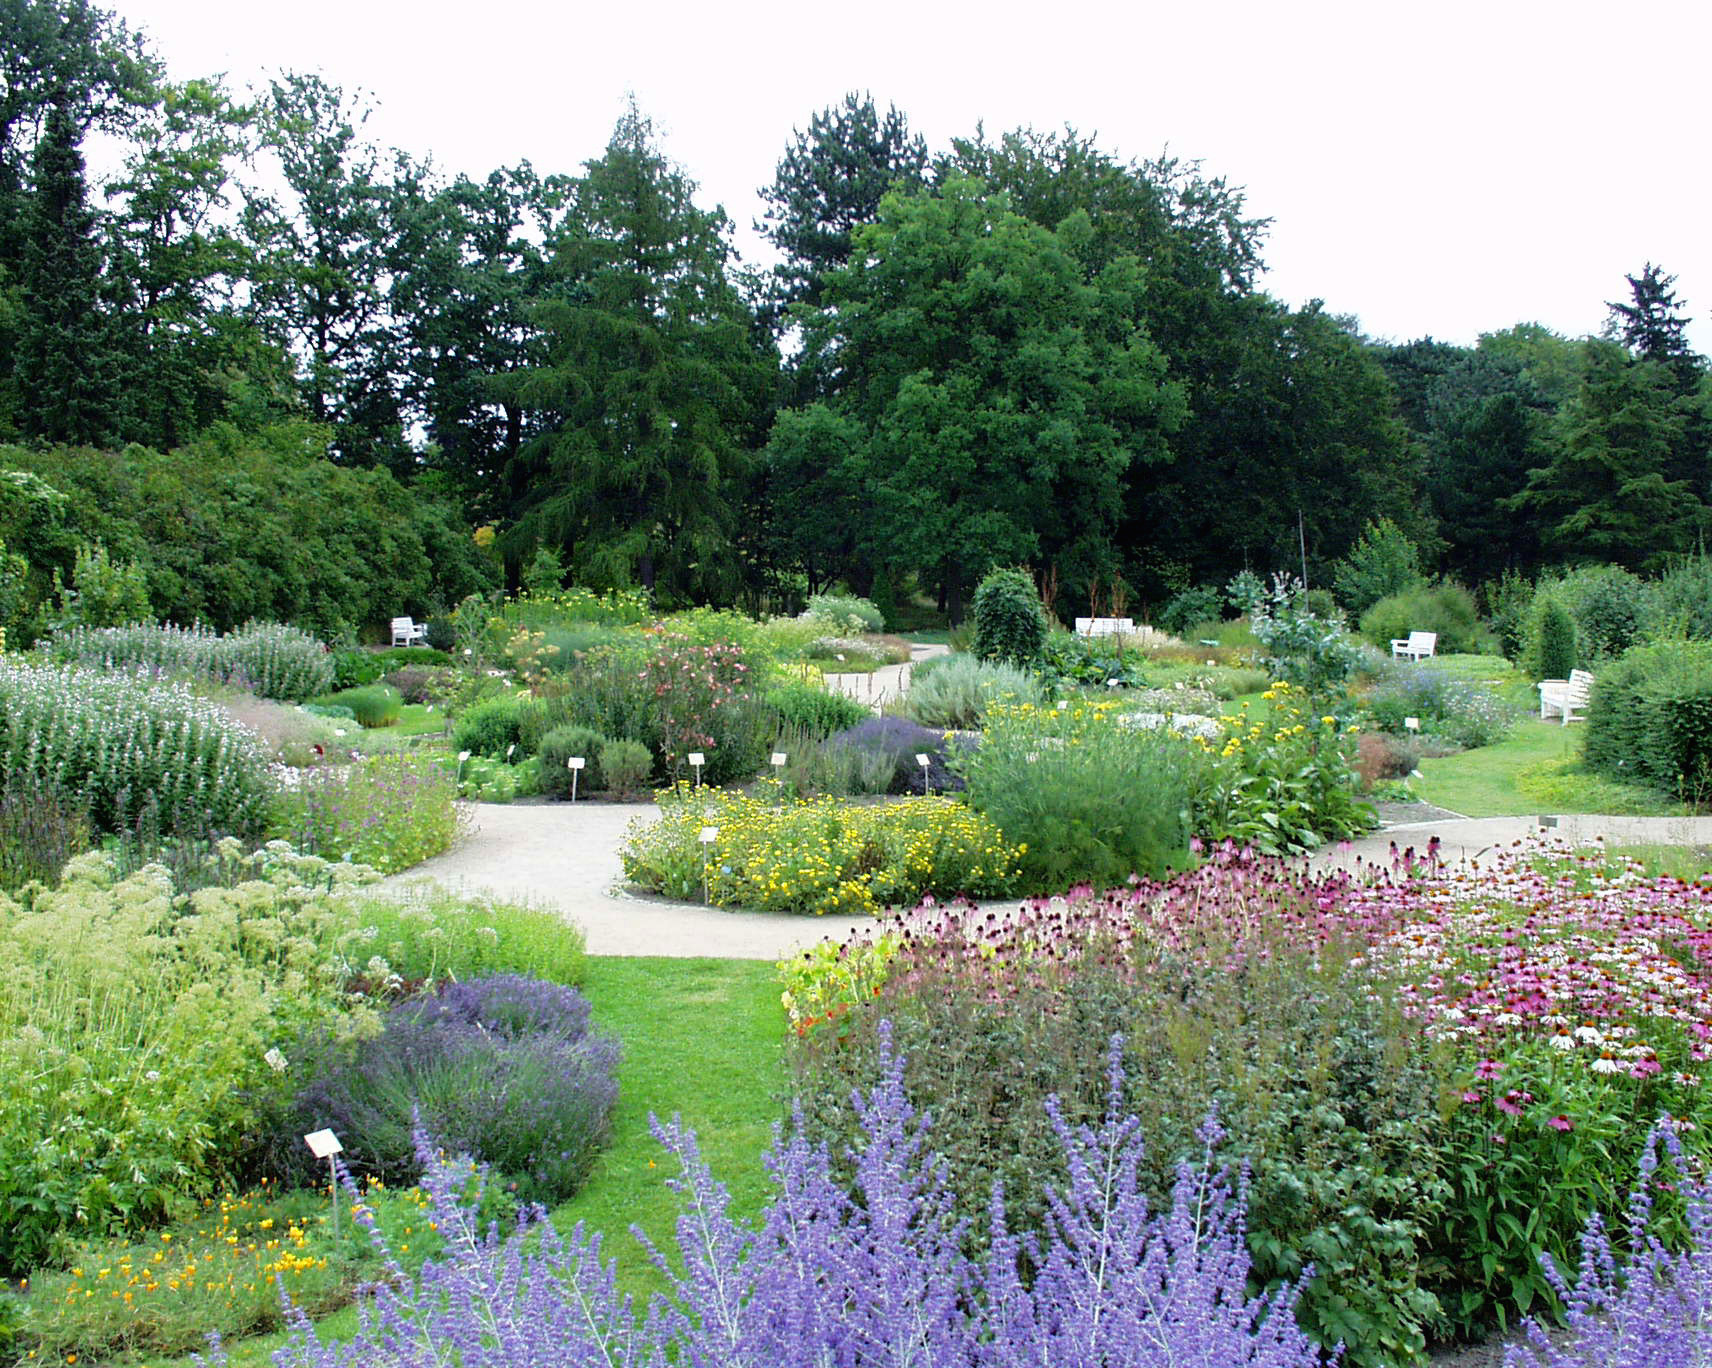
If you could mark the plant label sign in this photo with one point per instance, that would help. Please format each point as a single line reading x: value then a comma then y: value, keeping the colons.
x: 1412, y: 724
x: 778, y: 760
x: 697, y: 759
x: 323, y: 1144
x: 576, y: 762
x: 709, y: 835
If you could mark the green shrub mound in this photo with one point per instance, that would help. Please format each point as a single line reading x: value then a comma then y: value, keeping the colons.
x: 845, y: 612
x: 1010, y: 622
x: 813, y: 710
x: 1650, y: 719
x: 269, y: 659
x: 1447, y: 609
x: 373, y: 705
x: 625, y: 766
x: 353, y: 669
x: 559, y: 746
x: 953, y: 691
x: 116, y: 741
x: 1190, y: 608
x: 1613, y: 608
x: 495, y: 728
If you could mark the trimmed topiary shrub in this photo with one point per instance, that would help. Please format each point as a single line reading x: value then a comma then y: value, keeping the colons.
x: 1010, y: 622
x: 1650, y: 719
x: 557, y: 747
x: 1552, y: 647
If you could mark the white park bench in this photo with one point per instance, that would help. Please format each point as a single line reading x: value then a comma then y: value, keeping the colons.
x: 1415, y: 646
x: 1565, y: 697
x: 1107, y: 626
x: 408, y: 633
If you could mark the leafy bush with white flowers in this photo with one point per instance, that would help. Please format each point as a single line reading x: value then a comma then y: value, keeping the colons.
x: 116, y: 740
x: 269, y: 659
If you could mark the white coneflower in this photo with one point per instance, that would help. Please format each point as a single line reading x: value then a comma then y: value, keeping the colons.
x: 1605, y: 1064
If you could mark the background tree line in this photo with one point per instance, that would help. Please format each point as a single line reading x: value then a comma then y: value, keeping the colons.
x: 1020, y: 349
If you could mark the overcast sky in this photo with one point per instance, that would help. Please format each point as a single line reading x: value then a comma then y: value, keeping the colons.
x: 1444, y: 169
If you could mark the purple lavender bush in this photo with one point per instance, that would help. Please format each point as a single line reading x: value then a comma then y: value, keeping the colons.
x: 869, y: 1273
x: 1653, y: 1312
x: 902, y: 740
x: 504, y: 1068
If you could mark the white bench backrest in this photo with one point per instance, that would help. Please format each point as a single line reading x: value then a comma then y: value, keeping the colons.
x: 1423, y: 641
x: 403, y: 624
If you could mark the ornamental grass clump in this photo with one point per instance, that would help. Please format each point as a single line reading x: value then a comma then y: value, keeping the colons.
x: 110, y: 740
x: 857, y: 1260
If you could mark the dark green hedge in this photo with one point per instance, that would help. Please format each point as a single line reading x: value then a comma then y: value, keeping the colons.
x: 233, y: 528
x: 1650, y: 719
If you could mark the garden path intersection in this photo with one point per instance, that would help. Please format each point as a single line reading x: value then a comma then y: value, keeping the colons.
x: 566, y: 857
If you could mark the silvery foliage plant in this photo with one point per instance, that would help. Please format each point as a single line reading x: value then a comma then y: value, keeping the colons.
x: 847, y: 1274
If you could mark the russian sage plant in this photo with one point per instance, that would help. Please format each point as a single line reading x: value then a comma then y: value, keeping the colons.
x: 1656, y: 1311
x: 869, y: 1271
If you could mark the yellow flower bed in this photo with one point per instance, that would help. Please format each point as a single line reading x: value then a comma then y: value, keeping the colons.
x: 817, y: 855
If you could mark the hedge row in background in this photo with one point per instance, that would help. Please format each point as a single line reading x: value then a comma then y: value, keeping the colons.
x: 1650, y: 719
x: 234, y: 528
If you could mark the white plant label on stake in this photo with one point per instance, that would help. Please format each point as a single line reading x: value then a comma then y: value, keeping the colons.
x: 323, y: 1144
x: 1063, y: 703
x: 510, y: 751
x: 778, y: 760
x: 697, y: 760
x: 709, y: 834
x: 576, y: 762
x: 575, y: 765
x: 922, y: 760
x: 1412, y: 724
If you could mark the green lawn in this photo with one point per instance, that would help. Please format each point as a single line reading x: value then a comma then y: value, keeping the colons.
x: 1533, y: 770
x: 702, y: 1038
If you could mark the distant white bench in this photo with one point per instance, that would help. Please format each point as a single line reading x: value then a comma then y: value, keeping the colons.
x: 1415, y: 646
x: 1565, y: 697
x: 408, y: 633
x: 1093, y: 626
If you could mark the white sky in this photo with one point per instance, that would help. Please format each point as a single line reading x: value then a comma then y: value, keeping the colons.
x: 1448, y: 168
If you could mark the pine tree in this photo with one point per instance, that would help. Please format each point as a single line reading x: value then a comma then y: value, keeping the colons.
x: 654, y: 389
x: 64, y: 373
x: 1653, y: 325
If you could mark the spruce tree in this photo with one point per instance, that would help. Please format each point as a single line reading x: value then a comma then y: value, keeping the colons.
x: 64, y: 363
x: 1653, y: 325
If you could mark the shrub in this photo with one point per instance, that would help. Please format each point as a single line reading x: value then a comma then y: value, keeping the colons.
x: 813, y: 766
x: 427, y: 934
x: 269, y: 659
x: 1302, y: 648
x: 1446, y: 609
x: 1093, y: 661
x: 1381, y: 565
x: 952, y: 692
x: 1649, y: 721
x: 104, y: 591
x: 816, y: 855
x: 845, y: 612
x: 702, y: 701
x: 41, y: 827
x: 1010, y: 623
x: 111, y: 740
x: 1380, y: 757
x: 421, y: 683
x: 506, y: 1069
x: 842, y: 1271
x: 1245, y: 592
x: 1552, y: 648
x: 388, y: 811
x: 901, y: 740
x: 558, y: 746
x: 1509, y: 608
x: 1685, y: 597
x: 373, y: 705
x: 1093, y: 799
x: 626, y: 766
x: 814, y: 710
x: 607, y: 692
x: 495, y: 781
x: 1191, y: 607
x: 1613, y: 609
x: 494, y: 728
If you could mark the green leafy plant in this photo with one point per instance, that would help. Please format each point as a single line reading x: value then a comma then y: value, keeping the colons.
x: 1650, y: 719
x: 1444, y: 609
x: 373, y: 705
x: 268, y: 659
x: 954, y: 691
x: 626, y: 766
x: 812, y: 709
x: 495, y: 728
x: 845, y: 612
x: 1553, y: 649
x: 1382, y: 564
x: 388, y: 811
x: 1010, y: 623
x: 559, y: 746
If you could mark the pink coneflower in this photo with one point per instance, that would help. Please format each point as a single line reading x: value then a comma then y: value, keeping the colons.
x: 1471, y: 1096
x: 1562, y: 1123
x: 1488, y: 1068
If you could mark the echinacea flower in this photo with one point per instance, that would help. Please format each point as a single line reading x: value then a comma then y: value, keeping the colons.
x: 1561, y: 1123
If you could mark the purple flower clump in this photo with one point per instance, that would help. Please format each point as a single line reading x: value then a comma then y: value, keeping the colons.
x: 847, y: 1274
x: 504, y: 1068
x: 903, y: 740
